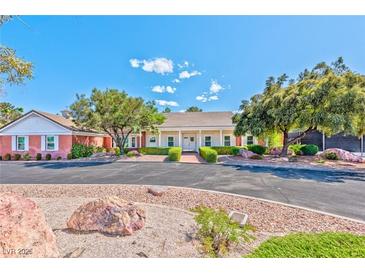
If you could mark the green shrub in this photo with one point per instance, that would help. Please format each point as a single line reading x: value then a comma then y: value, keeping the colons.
x: 131, y: 153
x: 154, y: 150
x: 296, y: 148
x: 330, y: 155
x: 17, y: 157
x: 69, y: 156
x: 117, y: 151
x: 80, y: 151
x: 59, y: 158
x: 7, y: 157
x: 1, y: 158
x: 309, y: 149
x: 99, y: 149
x: 258, y: 149
x: 48, y: 156
x: 218, y: 232
x: 257, y: 157
x: 312, y: 245
x: 209, y: 154
x: 175, y: 153
x: 27, y: 157
x: 38, y: 157
x: 228, y: 150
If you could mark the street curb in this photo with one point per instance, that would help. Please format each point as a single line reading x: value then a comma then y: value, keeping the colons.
x: 270, y: 201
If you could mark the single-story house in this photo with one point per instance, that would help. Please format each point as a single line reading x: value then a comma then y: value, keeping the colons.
x: 46, y: 133
x: 191, y: 130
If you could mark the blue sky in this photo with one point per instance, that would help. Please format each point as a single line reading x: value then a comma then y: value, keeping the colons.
x: 217, y: 60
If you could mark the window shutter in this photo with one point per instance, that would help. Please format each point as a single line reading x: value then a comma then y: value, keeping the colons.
x: 26, y: 143
x: 43, y: 143
x: 13, y: 143
x: 56, y: 143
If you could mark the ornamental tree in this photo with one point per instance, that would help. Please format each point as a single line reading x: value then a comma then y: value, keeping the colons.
x: 9, y: 113
x: 329, y: 98
x: 115, y: 113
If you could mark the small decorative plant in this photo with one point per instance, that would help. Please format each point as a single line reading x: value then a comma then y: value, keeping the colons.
x: 117, y: 151
x: 69, y: 156
x: 17, y: 157
x: 27, y: 157
x: 38, y: 157
x: 217, y: 232
x: 7, y: 157
x: 331, y: 156
x: 257, y: 157
x: 59, y: 158
x: 48, y: 156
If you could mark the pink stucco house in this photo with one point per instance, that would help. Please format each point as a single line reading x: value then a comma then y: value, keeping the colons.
x: 46, y: 133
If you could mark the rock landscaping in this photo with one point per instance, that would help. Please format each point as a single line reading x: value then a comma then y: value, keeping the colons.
x: 342, y: 155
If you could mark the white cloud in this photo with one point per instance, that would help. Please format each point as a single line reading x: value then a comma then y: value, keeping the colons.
x: 215, y: 87
x: 176, y: 81
x: 185, y: 64
x: 162, y: 89
x: 186, y: 74
x: 134, y: 63
x: 166, y: 103
x: 157, y: 65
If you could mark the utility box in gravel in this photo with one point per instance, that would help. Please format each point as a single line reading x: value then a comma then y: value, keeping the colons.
x: 238, y: 217
x: 157, y: 190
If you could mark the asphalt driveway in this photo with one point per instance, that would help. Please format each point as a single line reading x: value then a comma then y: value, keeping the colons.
x: 334, y: 192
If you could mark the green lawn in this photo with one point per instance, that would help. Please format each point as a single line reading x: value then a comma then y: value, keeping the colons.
x: 312, y: 245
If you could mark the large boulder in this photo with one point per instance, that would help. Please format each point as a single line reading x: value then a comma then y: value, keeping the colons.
x: 111, y: 215
x: 24, y: 232
x: 343, y: 155
x: 246, y: 154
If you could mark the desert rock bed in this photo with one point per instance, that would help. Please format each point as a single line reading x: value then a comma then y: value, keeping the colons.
x: 170, y: 228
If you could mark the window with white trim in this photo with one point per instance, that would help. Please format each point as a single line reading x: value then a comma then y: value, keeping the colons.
x: 170, y: 141
x: 152, y: 139
x: 133, y: 141
x: 50, y: 143
x: 207, y: 141
x: 249, y: 140
x: 227, y: 140
x: 20, y: 143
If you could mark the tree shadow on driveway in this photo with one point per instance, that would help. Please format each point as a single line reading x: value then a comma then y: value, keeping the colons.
x: 307, y: 174
x: 63, y: 165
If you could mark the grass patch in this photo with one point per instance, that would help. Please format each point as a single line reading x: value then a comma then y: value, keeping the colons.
x: 312, y: 245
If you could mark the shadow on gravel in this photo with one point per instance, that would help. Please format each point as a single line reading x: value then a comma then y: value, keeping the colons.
x: 316, y: 175
x: 63, y: 165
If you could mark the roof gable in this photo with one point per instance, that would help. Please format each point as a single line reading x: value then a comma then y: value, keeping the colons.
x: 33, y: 123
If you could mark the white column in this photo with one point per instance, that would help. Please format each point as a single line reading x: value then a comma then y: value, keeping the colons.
x: 242, y: 139
x: 159, y: 139
x: 221, y: 137
x: 199, y: 139
x: 179, y: 139
x: 323, y: 142
x: 140, y: 139
x: 362, y: 145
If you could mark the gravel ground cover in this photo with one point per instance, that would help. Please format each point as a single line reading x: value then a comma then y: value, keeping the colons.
x: 266, y: 217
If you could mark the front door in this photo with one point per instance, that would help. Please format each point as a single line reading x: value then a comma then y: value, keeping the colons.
x: 188, y: 142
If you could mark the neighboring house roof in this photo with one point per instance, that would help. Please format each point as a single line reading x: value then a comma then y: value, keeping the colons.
x: 58, y: 119
x: 198, y: 119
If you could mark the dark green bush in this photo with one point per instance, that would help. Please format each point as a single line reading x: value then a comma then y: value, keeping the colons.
x: 228, y: 150
x: 59, y: 158
x: 132, y: 153
x: 7, y: 157
x: 69, y: 156
x: 99, y: 149
x: 175, y: 153
x: 218, y: 232
x: 209, y: 154
x: 17, y: 157
x: 48, y: 156
x: 154, y: 150
x: 296, y: 148
x: 1, y: 158
x: 117, y: 151
x: 330, y: 155
x: 80, y: 151
x: 309, y: 149
x: 258, y: 149
x: 38, y: 157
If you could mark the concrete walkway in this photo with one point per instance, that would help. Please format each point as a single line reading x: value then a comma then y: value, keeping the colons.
x: 192, y: 158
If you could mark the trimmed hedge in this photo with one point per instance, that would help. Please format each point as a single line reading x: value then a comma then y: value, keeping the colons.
x: 175, y: 153
x: 228, y: 150
x: 258, y: 149
x: 209, y: 154
x: 154, y: 150
x: 309, y: 149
